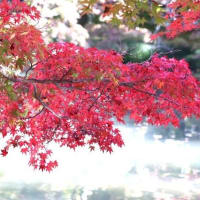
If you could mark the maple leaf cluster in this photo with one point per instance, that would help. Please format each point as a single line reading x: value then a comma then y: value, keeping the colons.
x: 69, y: 95
x: 183, y: 16
x: 175, y: 17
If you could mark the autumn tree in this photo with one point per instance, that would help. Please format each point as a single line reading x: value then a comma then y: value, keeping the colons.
x: 179, y: 15
x: 63, y: 93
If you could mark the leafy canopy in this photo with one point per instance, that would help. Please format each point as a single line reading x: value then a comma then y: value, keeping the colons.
x: 69, y: 95
x: 175, y: 16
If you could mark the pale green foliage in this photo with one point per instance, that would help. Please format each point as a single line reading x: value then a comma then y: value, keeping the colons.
x: 133, y: 13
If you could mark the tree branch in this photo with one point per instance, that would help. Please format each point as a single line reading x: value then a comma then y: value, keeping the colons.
x: 131, y: 85
x: 24, y: 118
x: 29, y: 69
x: 46, y: 106
x: 45, y: 81
x: 95, y: 100
x: 57, y: 81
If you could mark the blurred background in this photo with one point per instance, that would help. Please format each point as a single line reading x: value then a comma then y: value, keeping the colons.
x: 156, y: 163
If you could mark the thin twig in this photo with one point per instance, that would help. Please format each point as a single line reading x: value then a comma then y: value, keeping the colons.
x: 45, y: 105
x: 29, y: 69
x: 24, y: 118
x: 95, y: 101
x: 131, y: 85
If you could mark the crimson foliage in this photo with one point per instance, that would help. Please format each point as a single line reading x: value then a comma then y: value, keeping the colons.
x: 69, y: 95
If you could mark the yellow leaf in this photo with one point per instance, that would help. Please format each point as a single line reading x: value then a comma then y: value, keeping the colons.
x: 12, y: 36
x: 24, y: 33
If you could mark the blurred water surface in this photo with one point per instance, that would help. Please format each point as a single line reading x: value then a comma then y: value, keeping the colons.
x: 139, y: 164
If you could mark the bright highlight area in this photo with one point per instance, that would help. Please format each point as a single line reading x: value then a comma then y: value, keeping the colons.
x: 126, y: 167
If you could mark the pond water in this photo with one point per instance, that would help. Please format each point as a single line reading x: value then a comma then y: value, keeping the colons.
x: 140, y: 164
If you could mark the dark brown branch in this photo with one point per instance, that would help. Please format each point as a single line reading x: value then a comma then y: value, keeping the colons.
x: 46, y: 106
x: 24, y: 118
x: 29, y: 69
x: 57, y: 81
x: 95, y: 101
x: 131, y: 85
x: 65, y: 88
x: 46, y: 81
x: 66, y: 73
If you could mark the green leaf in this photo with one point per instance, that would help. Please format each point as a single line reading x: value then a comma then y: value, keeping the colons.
x: 19, y: 63
x: 115, y: 21
x: 24, y: 114
x: 10, y: 92
x: 75, y: 75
